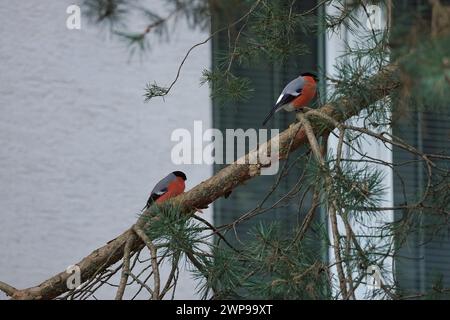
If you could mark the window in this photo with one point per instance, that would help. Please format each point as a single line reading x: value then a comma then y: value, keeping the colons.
x: 268, y: 80
x: 424, y: 258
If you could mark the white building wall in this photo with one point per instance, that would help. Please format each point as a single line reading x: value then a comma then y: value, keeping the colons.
x: 80, y: 151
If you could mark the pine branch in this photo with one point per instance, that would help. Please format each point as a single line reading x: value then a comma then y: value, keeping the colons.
x: 333, y: 207
x: 6, y: 288
x: 217, y: 186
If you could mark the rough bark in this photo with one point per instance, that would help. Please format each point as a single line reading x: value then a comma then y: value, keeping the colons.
x: 217, y: 186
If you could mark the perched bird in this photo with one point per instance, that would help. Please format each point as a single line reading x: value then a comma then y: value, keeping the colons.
x: 170, y: 186
x: 296, y: 95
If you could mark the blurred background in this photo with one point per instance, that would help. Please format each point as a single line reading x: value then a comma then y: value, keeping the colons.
x: 81, y: 150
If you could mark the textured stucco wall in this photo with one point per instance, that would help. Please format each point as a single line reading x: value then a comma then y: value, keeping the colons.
x: 79, y: 149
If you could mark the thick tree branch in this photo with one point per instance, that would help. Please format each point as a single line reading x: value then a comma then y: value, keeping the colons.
x: 217, y: 186
x: 6, y: 288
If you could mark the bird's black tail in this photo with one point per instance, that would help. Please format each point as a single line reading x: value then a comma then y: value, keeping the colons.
x: 147, y: 205
x: 150, y: 201
x: 271, y: 113
x: 273, y: 110
x: 284, y: 100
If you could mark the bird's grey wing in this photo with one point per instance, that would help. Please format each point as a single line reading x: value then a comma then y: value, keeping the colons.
x: 161, y: 186
x: 293, y: 88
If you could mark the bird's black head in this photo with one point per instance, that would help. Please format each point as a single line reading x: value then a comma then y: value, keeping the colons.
x: 180, y: 174
x: 310, y: 74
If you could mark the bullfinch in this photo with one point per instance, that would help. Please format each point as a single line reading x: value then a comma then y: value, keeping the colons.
x: 170, y: 186
x: 296, y: 95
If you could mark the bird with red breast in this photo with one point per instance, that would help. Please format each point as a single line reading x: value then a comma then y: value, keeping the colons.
x: 170, y: 186
x: 296, y: 94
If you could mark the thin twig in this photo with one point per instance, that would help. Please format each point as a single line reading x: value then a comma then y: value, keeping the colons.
x: 142, y: 284
x: 154, y: 260
x: 125, y: 267
x: 205, y: 41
